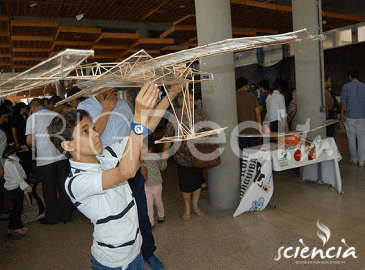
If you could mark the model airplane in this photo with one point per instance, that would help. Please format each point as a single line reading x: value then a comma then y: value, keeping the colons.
x: 170, y: 69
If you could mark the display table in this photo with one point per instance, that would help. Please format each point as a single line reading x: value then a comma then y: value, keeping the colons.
x: 317, y: 162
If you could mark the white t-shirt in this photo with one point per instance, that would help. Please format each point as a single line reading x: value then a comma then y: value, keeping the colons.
x: 14, y: 174
x: 37, y: 125
x: 117, y: 240
x: 275, y: 107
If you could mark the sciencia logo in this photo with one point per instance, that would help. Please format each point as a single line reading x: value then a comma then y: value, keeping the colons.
x: 304, y: 252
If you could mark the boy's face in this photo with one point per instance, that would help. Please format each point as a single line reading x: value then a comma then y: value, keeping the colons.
x: 86, y: 143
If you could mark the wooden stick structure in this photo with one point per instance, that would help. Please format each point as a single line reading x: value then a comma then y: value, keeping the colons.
x: 140, y: 68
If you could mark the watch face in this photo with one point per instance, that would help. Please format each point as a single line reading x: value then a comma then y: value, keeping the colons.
x: 138, y: 129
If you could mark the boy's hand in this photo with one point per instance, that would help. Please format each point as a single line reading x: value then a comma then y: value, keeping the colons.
x: 174, y: 91
x: 108, y: 100
x: 146, y: 101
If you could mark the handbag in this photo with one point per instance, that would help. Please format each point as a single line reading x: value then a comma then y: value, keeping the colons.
x: 202, y: 161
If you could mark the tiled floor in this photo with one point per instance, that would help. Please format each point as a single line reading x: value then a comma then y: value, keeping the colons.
x: 219, y: 241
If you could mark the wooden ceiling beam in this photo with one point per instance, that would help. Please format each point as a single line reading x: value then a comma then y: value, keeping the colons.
x: 33, y: 23
x: 154, y: 10
x: 4, y: 33
x: 73, y: 29
x: 289, y: 9
x: 266, y: 31
x: 261, y: 5
x: 175, y: 48
x: 23, y: 66
x: 183, y: 19
x: 72, y: 42
x: 5, y: 63
x: 343, y: 16
x: 132, y: 36
x: 31, y: 49
x: 178, y: 28
x: 7, y: 55
x: 5, y: 45
x: 109, y: 47
x: 104, y: 56
x: 237, y: 32
x: 31, y: 58
x: 4, y: 18
x: 153, y: 41
x: 31, y: 38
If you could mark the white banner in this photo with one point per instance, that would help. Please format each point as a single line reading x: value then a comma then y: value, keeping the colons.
x: 257, y: 184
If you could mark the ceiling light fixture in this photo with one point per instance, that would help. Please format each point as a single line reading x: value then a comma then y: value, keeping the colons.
x: 33, y: 5
x: 80, y: 16
x: 182, y: 6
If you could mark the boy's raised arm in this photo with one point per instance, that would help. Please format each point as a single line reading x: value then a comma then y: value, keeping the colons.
x: 145, y: 102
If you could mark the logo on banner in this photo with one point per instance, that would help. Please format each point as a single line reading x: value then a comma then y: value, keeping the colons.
x: 303, y: 252
x: 297, y: 155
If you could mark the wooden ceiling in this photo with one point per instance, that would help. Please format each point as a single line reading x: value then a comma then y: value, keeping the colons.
x: 31, y: 30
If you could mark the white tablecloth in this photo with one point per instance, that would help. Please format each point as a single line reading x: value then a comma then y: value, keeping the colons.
x: 318, y: 162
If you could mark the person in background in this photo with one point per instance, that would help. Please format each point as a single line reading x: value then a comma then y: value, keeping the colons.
x: 52, y: 168
x: 353, y: 116
x: 254, y: 90
x: 45, y: 102
x: 17, y: 186
x: 190, y: 178
x: 6, y: 125
x: 4, y: 115
x: 276, y: 116
x: 264, y: 89
x: 248, y: 109
x: 292, y: 110
x: 60, y: 108
x: 151, y: 167
x: 332, y: 106
x: 75, y: 102
x: 18, y: 124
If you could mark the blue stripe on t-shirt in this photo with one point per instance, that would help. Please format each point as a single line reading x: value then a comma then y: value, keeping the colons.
x: 130, y: 243
x: 114, y: 217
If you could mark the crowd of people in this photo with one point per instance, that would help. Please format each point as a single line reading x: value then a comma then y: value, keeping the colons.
x: 77, y: 151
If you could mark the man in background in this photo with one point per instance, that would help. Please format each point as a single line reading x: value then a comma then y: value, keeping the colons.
x: 353, y: 116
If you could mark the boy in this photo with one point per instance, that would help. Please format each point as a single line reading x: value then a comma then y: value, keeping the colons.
x: 97, y: 182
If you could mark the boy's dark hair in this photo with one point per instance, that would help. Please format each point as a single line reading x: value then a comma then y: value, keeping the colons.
x: 354, y: 73
x: 241, y: 82
x: 62, y: 127
x: 264, y: 84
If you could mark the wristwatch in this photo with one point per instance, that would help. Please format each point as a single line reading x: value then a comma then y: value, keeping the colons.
x: 140, y: 129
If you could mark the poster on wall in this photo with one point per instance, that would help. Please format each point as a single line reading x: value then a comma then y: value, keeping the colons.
x: 257, y: 184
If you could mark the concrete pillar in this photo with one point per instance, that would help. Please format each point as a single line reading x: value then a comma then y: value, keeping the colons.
x: 60, y: 89
x: 337, y: 39
x: 213, y: 19
x: 309, y: 71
